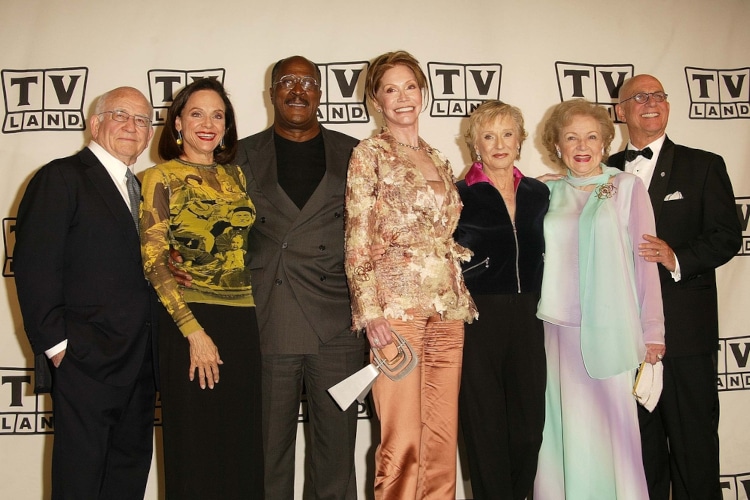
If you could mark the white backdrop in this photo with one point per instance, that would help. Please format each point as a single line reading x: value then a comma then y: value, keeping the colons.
x: 58, y: 56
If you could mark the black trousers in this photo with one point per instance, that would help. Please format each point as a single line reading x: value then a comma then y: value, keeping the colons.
x: 103, y: 434
x: 329, y: 460
x: 501, y: 404
x: 680, y: 439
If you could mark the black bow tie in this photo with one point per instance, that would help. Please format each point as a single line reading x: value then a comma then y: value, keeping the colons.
x: 632, y: 154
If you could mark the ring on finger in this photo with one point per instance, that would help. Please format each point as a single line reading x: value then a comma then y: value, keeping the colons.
x: 376, y: 341
x: 660, y: 356
x: 657, y: 253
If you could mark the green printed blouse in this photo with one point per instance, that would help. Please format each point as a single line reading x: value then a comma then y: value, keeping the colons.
x: 204, y: 212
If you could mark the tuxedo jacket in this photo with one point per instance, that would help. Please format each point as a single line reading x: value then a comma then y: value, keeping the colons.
x: 297, y: 256
x: 78, y: 271
x: 696, y: 215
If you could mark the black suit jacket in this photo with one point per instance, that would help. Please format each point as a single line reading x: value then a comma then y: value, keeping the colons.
x: 297, y: 256
x: 77, y: 264
x: 702, y: 227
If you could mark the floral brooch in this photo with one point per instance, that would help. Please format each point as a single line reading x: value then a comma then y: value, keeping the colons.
x: 607, y: 190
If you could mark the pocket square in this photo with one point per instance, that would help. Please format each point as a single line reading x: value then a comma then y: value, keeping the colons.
x: 674, y: 196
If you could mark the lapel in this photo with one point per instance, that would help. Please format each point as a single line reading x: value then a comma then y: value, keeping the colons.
x: 111, y: 196
x: 657, y: 190
x: 262, y: 162
x: 332, y: 183
x: 617, y: 160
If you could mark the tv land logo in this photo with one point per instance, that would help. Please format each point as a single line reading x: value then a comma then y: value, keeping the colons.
x: 458, y: 89
x: 735, y: 486
x: 164, y: 84
x: 44, y: 99
x: 341, y: 85
x: 733, y: 368
x: 743, y: 212
x: 718, y: 94
x: 597, y: 83
x: 23, y: 412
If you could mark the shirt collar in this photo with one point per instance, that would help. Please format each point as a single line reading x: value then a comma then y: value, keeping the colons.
x: 115, y: 167
x: 476, y: 174
x: 655, y: 146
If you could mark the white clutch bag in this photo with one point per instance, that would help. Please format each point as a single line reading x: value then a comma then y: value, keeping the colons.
x: 357, y: 386
x: 648, y: 384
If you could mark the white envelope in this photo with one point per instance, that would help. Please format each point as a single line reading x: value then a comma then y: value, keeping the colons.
x: 648, y: 384
x: 354, y: 386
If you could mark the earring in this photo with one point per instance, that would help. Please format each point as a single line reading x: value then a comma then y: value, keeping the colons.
x: 479, y: 157
x: 559, y: 154
x: 221, y: 144
x: 179, y: 138
x: 379, y: 110
x: 602, y: 150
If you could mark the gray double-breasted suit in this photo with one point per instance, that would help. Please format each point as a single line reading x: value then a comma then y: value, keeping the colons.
x: 304, y: 316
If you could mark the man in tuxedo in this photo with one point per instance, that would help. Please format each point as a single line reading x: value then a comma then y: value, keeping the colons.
x: 697, y: 230
x: 92, y: 319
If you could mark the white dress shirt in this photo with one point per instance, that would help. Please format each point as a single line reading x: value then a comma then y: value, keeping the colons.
x: 644, y: 168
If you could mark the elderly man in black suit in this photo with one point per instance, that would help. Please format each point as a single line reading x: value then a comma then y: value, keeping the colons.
x: 697, y: 230
x: 92, y: 319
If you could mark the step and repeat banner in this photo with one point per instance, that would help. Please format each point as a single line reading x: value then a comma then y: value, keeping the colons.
x: 58, y: 57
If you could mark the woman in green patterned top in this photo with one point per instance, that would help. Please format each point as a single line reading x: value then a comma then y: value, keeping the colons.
x: 196, y: 202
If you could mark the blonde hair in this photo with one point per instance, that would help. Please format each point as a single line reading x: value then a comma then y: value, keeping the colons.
x: 487, y: 112
x: 563, y: 114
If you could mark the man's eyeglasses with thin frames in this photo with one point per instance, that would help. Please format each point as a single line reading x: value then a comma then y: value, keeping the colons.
x: 119, y: 115
x: 643, y: 97
x: 291, y: 81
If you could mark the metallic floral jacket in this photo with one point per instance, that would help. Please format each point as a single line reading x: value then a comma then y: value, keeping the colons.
x: 389, y: 202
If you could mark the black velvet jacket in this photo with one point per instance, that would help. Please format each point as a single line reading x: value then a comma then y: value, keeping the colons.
x: 503, y: 263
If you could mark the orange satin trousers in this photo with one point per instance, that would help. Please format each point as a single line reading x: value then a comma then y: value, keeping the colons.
x: 416, y: 458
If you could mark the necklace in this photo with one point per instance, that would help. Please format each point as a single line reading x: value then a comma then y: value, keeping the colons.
x: 192, y: 164
x: 415, y: 148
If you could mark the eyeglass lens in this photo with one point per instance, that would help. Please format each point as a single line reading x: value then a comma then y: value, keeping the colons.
x: 643, y: 97
x: 290, y: 81
x: 119, y: 115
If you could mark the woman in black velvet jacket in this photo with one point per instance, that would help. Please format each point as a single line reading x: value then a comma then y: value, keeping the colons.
x: 504, y: 372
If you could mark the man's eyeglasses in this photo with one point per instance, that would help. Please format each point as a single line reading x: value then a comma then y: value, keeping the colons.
x: 119, y: 115
x: 643, y: 97
x: 291, y: 81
